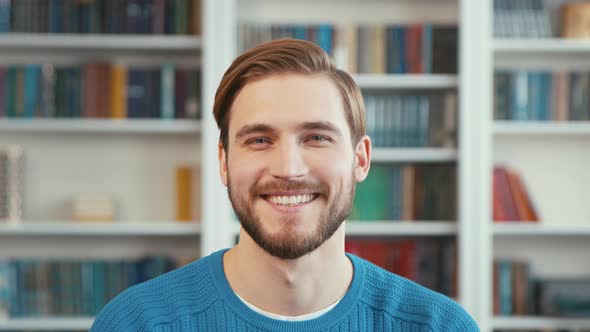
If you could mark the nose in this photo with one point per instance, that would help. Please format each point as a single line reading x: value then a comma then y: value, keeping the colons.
x: 288, y: 161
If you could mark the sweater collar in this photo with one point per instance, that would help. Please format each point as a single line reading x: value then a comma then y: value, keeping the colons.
x: 329, y: 319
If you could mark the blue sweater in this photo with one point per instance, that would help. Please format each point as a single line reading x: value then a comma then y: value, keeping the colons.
x: 198, y: 297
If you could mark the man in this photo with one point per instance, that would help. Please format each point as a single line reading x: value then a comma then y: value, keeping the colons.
x: 292, y: 148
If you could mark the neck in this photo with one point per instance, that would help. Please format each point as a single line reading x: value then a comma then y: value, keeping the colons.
x: 289, y: 287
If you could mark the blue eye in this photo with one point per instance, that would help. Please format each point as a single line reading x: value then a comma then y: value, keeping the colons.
x: 318, y: 138
x: 259, y: 140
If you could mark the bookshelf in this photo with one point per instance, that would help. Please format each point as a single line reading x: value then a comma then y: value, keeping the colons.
x: 406, y: 81
x: 46, y: 324
x: 401, y: 228
x: 94, y: 42
x: 127, y: 229
x: 132, y: 160
x: 383, y: 155
x: 530, y: 323
x: 102, y: 126
x: 549, y: 156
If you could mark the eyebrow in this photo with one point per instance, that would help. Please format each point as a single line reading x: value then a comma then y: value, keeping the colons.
x: 253, y: 128
x: 309, y: 125
x: 320, y: 125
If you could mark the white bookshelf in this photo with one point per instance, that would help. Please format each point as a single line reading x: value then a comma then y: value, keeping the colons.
x: 541, y: 323
x: 548, y: 155
x: 400, y: 228
x: 507, y: 229
x: 414, y: 154
x: 101, y: 126
x: 99, y: 42
x: 406, y: 81
x: 121, y: 229
x: 47, y: 324
x: 542, y: 128
x: 536, y: 46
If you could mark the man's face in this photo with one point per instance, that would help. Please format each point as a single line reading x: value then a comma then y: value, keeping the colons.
x: 290, y: 167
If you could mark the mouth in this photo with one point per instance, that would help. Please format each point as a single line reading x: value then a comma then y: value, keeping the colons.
x: 290, y: 199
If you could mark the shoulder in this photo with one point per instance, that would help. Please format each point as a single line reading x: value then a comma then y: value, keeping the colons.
x: 160, y: 300
x: 406, y: 300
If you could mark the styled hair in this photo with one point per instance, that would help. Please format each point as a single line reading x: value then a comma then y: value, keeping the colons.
x: 286, y: 56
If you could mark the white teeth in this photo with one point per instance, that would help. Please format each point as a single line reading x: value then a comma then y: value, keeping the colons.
x: 290, y: 200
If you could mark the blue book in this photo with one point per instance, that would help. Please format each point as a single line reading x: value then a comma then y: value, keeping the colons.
x: 4, y: 16
x: 3, y: 90
x: 519, y: 96
x: 546, y: 94
x: 55, y: 8
x: 300, y: 32
x: 4, y: 288
x: 505, y: 283
x: 31, y: 89
x: 324, y: 36
x: 400, y: 64
x: 427, y: 48
x: 167, y: 91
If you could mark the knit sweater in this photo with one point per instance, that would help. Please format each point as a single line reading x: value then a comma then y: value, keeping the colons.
x: 198, y: 297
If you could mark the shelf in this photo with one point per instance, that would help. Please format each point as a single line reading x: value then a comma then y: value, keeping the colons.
x: 544, y: 128
x: 88, y: 42
x: 97, y: 126
x: 534, y: 229
x: 536, y: 46
x: 64, y: 228
x: 542, y: 323
x: 47, y: 324
x: 405, y: 228
x: 413, y: 155
x: 409, y: 81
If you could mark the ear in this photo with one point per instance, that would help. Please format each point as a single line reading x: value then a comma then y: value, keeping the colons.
x: 221, y: 155
x: 362, y: 155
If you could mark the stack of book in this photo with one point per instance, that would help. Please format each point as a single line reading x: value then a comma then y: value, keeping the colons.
x: 521, y: 19
x: 99, y: 90
x: 377, y: 49
x: 176, y: 17
x: 518, y: 292
x: 411, y: 120
x: 407, y: 192
x: 33, y: 288
x: 511, y: 200
x: 432, y: 263
x: 541, y: 96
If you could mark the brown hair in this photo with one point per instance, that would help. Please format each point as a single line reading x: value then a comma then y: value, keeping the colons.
x: 286, y: 56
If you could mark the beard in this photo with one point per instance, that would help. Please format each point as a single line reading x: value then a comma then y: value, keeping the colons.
x: 287, y: 244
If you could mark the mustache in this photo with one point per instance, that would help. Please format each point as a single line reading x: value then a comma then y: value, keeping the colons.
x: 290, y: 185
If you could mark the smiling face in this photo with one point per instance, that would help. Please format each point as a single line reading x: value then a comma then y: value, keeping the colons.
x: 290, y: 166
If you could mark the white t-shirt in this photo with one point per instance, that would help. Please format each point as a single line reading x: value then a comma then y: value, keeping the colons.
x: 309, y: 316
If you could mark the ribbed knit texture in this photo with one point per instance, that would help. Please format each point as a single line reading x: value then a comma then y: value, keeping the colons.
x: 197, y: 297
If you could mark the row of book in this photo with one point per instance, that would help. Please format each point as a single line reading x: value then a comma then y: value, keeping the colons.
x: 511, y: 200
x: 522, y: 19
x: 411, y: 120
x: 11, y: 183
x: 518, y: 292
x: 407, y: 192
x: 541, y: 96
x: 429, y: 262
x: 379, y: 49
x: 37, y: 288
x: 99, y: 90
x: 175, y: 17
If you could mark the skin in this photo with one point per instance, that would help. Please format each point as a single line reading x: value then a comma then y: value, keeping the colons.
x: 288, y: 135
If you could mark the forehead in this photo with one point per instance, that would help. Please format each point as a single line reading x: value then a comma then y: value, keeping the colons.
x: 286, y: 100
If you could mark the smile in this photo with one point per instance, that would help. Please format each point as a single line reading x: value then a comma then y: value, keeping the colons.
x: 290, y: 199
